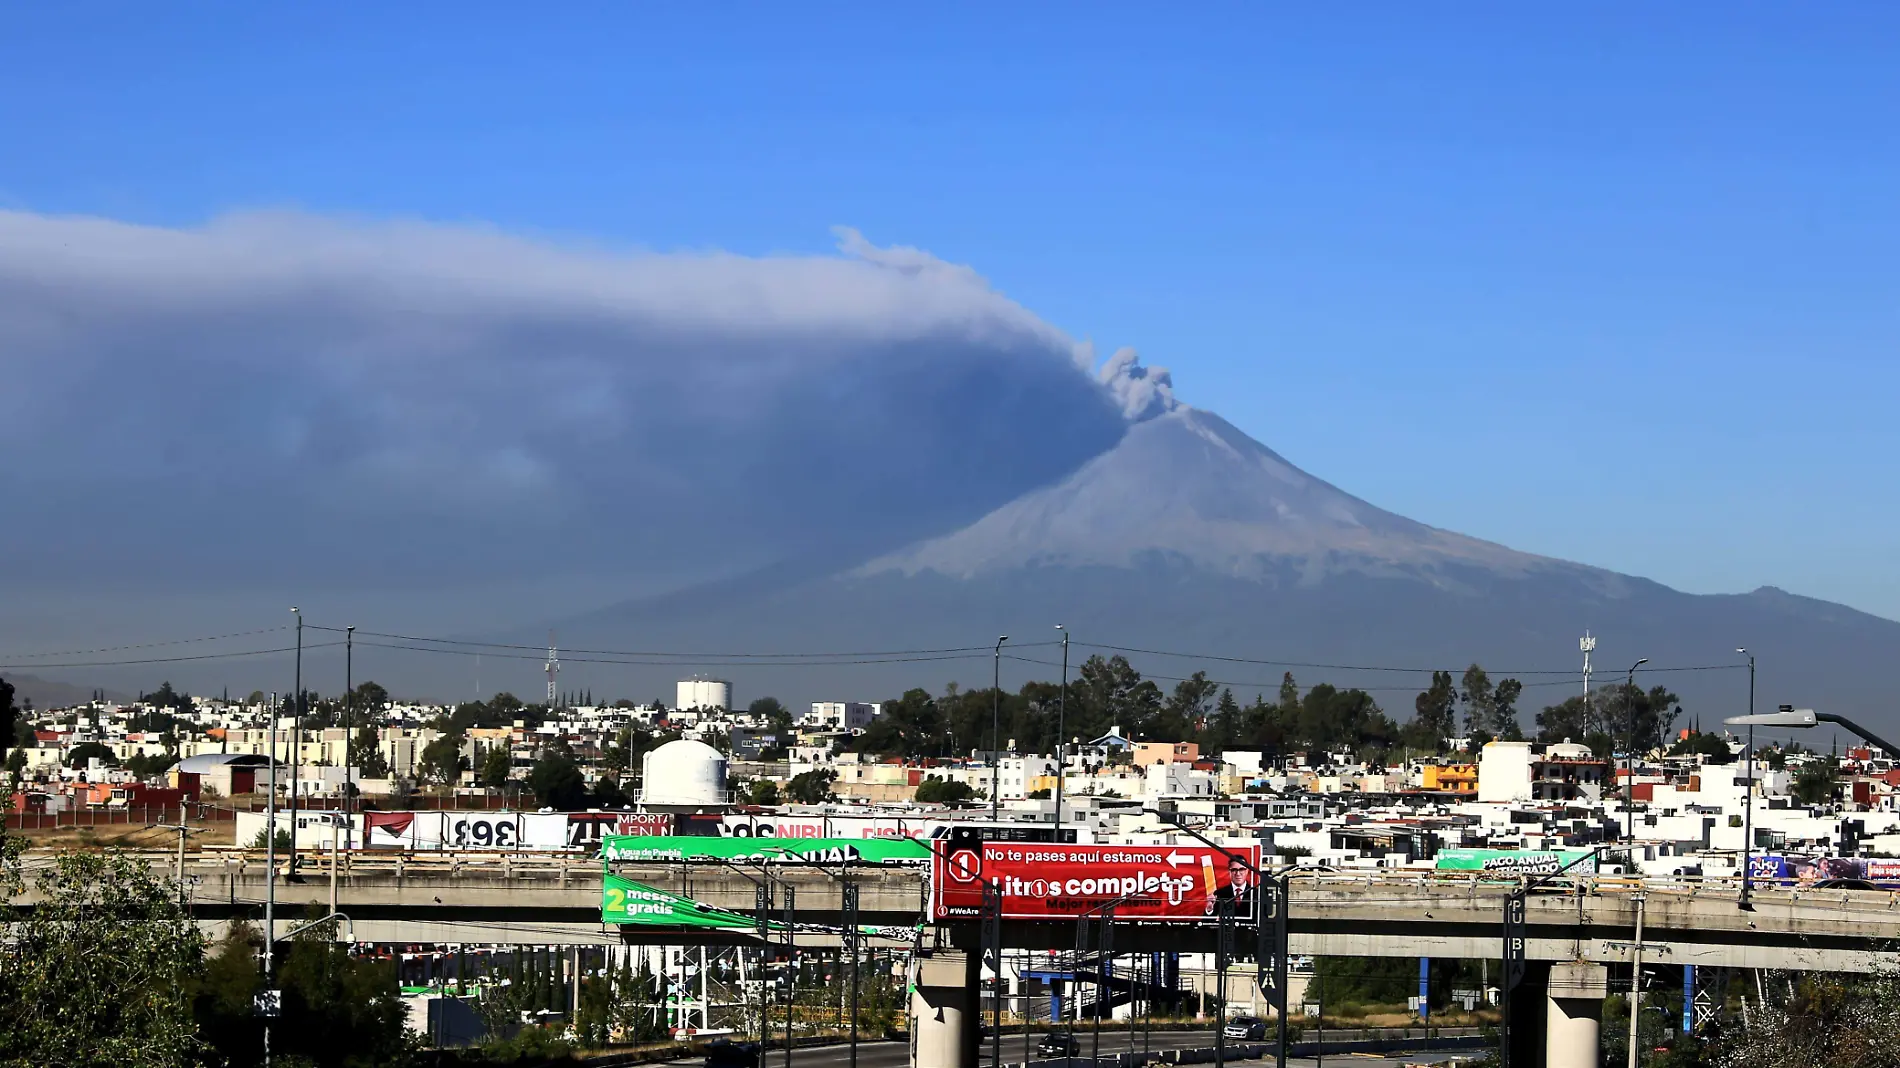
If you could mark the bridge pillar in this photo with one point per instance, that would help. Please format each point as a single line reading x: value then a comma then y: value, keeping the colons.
x: 945, y: 1012
x: 1573, y: 1019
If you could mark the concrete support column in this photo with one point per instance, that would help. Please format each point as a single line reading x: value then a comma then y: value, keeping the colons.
x: 1573, y: 1019
x: 944, y: 1011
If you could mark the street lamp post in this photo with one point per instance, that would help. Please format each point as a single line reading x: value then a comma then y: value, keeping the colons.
x: 1062, y: 737
x: 349, y: 715
x: 1748, y: 797
x: 996, y: 734
x: 1629, y: 758
x: 1790, y: 716
x: 296, y: 741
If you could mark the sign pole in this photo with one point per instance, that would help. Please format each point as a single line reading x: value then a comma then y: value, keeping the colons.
x: 791, y: 970
x: 851, y: 941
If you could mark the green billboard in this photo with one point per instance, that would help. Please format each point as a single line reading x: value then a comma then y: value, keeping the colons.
x: 1515, y: 861
x: 625, y: 901
x: 766, y: 850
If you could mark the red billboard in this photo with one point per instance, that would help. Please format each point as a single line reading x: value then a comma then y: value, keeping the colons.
x: 1051, y: 882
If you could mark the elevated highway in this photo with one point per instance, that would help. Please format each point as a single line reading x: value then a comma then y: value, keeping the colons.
x: 1572, y: 936
x: 555, y: 899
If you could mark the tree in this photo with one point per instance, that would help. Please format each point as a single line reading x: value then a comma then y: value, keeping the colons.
x: 1477, y: 697
x: 1191, y: 703
x: 166, y: 697
x: 366, y: 754
x: 1711, y: 748
x: 769, y: 711
x: 222, y: 996
x: 1504, y: 710
x: 811, y: 787
x: 1815, y: 1020
x: 938, y: 791
x: 442, y: 760
x: 910, y: 724
x: 340, y: 1011
x: 496, y: 766
x: 762, y: 792
x: 146, y: 767
x: 9, y: 715
x: 79, y: 755
x: 1436, y: 710
x: 1815, y: 782
x: 557, y: 781
x: 78, y: 991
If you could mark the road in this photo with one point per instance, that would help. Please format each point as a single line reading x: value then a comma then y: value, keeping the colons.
x: 897, y: 1054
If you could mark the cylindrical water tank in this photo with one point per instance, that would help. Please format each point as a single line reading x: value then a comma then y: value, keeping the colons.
x: 704, y: 694
x: 683, y: 772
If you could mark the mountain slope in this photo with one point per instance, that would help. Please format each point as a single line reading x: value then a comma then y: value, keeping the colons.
x: 1188, y: 487
x: 1189, y: 537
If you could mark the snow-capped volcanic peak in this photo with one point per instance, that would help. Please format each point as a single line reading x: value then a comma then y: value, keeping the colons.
x: 1187, y: 487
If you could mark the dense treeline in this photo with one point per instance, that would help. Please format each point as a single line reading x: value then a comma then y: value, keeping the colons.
x: 1107, y: 692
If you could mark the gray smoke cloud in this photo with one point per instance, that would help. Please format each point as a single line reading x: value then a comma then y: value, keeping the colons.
x: 277, y: 394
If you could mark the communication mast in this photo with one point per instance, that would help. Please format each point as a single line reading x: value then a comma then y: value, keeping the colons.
x: 554, y: 668
x: 1588, y: 644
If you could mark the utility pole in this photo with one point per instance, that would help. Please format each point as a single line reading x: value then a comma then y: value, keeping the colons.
x: 1748, y: 795
x: 1062, y: 736
x: 296, y: 742
x: 1636, y: 979
x: 270, y: 877
x: 996, y: 734
x: 349, y: 720
x: 1629, y: 761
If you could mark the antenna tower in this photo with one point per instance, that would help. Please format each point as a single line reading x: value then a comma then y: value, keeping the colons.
x: 554, y: 668
x: 1588, y: 644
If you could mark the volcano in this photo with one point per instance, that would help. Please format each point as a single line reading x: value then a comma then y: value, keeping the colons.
x: 1190, y: 546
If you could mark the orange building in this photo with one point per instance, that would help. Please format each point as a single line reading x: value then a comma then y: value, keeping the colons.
x: 1451, y: 778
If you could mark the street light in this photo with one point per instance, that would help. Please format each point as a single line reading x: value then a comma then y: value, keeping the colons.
x: 1062, y: 708
x: 1790, y: 716
x: 996, y: 734
x: 1629, y: 758
x: 296, y: 742
x: 1748, y: 798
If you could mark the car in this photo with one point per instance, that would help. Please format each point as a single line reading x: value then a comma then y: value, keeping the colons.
x: 723, y: 1053
x: 1058, y: 1045
x: 1245, y: 1027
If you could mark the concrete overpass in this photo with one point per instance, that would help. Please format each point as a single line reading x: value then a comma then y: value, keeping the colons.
x: 1572, y: 936
x: 555, y: 899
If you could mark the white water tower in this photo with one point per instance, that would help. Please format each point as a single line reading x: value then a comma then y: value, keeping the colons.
x: 704, y: 693
x: 683, y: 772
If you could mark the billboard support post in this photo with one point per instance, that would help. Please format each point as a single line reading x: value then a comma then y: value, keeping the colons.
x: 1516, y: 932
x: 993, y: 959
x: 850, y: 903
x: 791, y: 973
x: 1271, y: 953
x: 1223, y: 957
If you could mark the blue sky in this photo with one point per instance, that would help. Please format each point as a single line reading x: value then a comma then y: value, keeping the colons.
x: 1617, y: 285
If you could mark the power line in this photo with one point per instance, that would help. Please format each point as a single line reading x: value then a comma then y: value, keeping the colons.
x: 178, y: 659
x: 541, y: 651
x: 1373, y: 667
x: 566, y: 659
x: 151, y: 645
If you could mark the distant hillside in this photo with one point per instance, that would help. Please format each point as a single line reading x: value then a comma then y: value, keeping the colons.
x: 1189, y: 536
x: 46, y: 693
